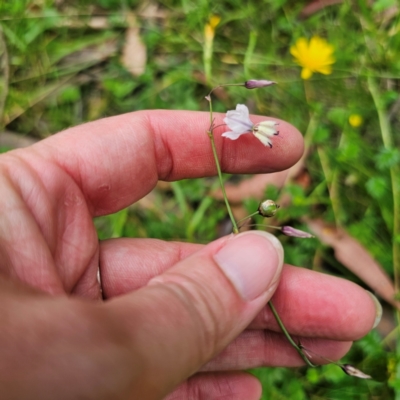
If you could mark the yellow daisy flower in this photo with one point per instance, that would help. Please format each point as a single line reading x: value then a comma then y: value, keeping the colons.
x: 314, y: 56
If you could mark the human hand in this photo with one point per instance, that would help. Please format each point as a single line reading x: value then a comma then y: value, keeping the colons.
x: 176, y: 313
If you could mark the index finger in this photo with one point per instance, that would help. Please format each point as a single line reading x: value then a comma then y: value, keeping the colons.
x: 118, y: 160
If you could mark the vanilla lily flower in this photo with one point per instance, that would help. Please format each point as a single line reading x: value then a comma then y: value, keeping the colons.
x: 239, y: 123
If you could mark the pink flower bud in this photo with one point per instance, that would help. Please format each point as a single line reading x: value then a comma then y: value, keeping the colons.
x: 350, y: 370
x: 289, y: 231
x: 255, y: 84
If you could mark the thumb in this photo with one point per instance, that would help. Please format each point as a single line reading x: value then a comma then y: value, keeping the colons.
x: 187, y: 315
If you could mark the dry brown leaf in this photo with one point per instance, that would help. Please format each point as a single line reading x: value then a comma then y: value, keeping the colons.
x: 91, y: 54
x: 151, y: 11
x: 252, y: 187
x: 96, y: 22
x: 147, y: 10
x: 134, y: 53
x: 318, y: 5
x: 256, y: 185
x: 353, y: 255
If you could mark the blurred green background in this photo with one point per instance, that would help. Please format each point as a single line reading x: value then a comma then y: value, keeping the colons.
x: 63, y: 63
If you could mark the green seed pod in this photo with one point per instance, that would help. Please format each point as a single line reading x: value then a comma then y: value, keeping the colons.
x: 268, y: 208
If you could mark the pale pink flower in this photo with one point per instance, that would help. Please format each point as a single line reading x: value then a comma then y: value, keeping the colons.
x: 239, y: 123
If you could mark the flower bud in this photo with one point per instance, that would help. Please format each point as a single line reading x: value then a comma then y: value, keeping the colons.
x: 268, y: 208
x: 350, y: 370
x: 255, y: 84
x: 289, y: 231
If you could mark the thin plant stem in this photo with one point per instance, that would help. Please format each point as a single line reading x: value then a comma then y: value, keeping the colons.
x: 279, y: 228
x: 288, y: 337
x: 249, y: 216
x: 199, y: 213
x: 387, y: 139
x: 234, y: 223
x: 221, y: 181
x: 334, y: 189
x: 248, y: 57
x: 330, y: 176
x: 208, y: 97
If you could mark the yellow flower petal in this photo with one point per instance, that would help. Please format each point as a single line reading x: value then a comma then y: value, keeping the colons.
x: 326, y: 70
x: 355, y: 120
x: 306, y: 73
x: 315, y: 55
x: 299, y: 48
x: 214, y: 21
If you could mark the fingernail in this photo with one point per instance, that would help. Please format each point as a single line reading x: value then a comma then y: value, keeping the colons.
x: 378, y: 309
x: 252, y: 261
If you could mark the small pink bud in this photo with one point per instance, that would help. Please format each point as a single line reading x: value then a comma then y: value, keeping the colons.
x: 350, y: 370
x: 255, y: 84
x: 289, y: 231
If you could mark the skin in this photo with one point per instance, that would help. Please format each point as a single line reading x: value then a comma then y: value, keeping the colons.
x: 163, y: 329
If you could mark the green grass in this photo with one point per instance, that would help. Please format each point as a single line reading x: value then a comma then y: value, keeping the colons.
x: 55, y: 73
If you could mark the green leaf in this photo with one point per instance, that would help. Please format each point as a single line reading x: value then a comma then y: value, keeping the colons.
x: 387, y: 158
x: 321, y: 134
x: 377, y: 187
x: 382, y: 5
x: 338, y: 116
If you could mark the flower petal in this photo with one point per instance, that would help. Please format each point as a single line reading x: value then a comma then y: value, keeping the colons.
x: 326, y: 70
x: 306, y: 73
x: 264, y: 131
x: 257, y: 83
x: 238, y: 120
x: 300, y: 48
x: 233, y: 135
x: 263, y: 139
x: 315, y: 55
x: 267, y: 128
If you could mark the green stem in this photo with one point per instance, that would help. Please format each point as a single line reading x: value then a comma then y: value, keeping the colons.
x: 208, y: 97
x: 221, y: 181
x: 215, y: 154
x: 249, y: 216
x: 387, y: 139
x: 330, y: 177
x: 234, y: 223
x: 288, y: 337
x: 249, y: 52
